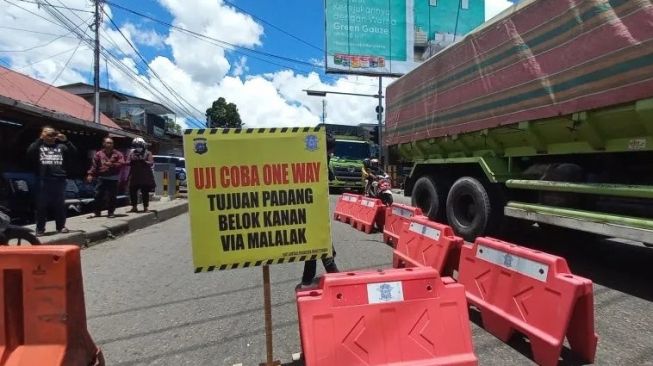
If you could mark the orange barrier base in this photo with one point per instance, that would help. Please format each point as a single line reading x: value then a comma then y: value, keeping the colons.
x: 42, y: 305
x: 391, y: 317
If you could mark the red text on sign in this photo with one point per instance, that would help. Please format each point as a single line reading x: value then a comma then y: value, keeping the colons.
x: 239, y: 176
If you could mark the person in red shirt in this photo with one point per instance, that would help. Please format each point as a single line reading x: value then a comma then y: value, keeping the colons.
x: 105, y: 168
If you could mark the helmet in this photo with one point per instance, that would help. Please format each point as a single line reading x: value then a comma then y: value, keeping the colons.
x: 366, y: 162
x: 138, y: 142
x: 374, y: 162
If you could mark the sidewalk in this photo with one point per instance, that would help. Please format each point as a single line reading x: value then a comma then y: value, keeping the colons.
x: 85, y: 231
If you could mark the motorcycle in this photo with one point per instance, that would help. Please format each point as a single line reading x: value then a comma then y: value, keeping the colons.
x: 381, y: 188
x: 13, y: 234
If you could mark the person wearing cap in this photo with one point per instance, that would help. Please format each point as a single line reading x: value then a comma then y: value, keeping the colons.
x: 52, y: 152
x: 141, y: 177
x: 106, y: 167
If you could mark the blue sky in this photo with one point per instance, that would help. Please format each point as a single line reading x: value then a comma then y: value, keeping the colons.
x: 302, y: 18
x: 268, y: 93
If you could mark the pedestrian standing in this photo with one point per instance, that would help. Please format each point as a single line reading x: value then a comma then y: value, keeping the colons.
x: 105, y: 168
x: 310, y: 266
x: 141, y: 177
x: 52, y: 151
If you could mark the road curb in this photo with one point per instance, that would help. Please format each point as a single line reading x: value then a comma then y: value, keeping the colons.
x: 170, y: 212
x: 142, y: 221
x: 109, y: 230
x: 117, y: 227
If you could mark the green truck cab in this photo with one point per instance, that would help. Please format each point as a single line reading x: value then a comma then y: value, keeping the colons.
x: 347, y: 162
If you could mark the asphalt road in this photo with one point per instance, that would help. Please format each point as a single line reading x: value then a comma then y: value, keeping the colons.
x: 145, y: 305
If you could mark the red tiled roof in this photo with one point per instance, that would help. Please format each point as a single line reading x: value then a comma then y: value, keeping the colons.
x: 23, y: 88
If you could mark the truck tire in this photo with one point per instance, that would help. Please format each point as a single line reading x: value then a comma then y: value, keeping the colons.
x: 425, y: 195
x: 469, y: 208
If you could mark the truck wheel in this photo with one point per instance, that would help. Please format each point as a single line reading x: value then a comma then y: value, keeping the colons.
x: 425, y: 196
x: 468, y: 208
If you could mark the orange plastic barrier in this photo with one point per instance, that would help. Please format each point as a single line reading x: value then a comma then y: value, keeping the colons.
x: 42, y: 302
x: 369, y: 212
x: 395, y: 216
x: 392, y: 317
x: 345, y: 207
x: 428, y: 243
x: 516, y: 288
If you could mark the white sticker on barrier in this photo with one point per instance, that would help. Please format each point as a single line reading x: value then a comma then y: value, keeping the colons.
x: 350, y: 198
x: 527, y: 267
x: 424, y: 230
x: 385, y: 292
x: 367, y: 203
x: 398, y: 211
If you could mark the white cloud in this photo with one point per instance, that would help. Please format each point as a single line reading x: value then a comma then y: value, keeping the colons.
x: 319, y: 62
x: 197, y: 71
x: 240, y: 67
x: 144, y: 37
x: 494, y: 7
x: 39, y: 28
x: 207, y: 63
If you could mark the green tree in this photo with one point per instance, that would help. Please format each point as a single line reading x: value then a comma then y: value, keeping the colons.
x: 172, y: 126
x: 223, y: 115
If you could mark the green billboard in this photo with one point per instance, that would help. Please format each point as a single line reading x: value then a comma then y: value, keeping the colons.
x: 391, y: 37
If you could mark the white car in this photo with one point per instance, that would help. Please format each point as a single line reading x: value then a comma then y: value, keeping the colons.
x: 180, y: 166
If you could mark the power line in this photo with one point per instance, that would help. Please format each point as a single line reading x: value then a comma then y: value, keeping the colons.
x: 35, y: 32
x: 56, y: 6
x: 67, y: 23
x: 65, y: 66
x: 156, y: 75
x: 273, y: 26
x: 219, y: 44
x: 35, y: 47
x: 210, y: 40
x: 47, y: 58
x: 284, y: 58
x: 128, y: 71
x: 31, y: 12
x: 238, y: 49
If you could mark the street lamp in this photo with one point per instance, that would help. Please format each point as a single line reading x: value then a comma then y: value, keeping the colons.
x: 379, y: 108
x: 323, y: 93
x: 315, y: 93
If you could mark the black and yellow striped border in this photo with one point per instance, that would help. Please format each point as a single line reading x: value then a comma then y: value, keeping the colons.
x: 260, y: 263
x: 216, y: 131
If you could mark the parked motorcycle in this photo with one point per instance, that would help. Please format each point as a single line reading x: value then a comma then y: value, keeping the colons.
x: 381, y: 188
x: 13, y: 234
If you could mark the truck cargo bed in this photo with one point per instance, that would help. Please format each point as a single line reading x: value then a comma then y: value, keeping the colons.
x: 544, y: 59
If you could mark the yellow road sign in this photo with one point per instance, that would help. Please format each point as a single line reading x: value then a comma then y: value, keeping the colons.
x: 257, y: 196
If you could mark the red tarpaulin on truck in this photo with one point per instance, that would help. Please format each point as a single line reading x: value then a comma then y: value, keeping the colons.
x: 542, y: 59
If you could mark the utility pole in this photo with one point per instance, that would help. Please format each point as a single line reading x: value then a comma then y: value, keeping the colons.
x: 323, y: 111
x: 379, y: 117
x: 96, y: 66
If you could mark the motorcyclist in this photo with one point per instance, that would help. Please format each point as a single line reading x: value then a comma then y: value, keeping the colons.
x: 371, y: 169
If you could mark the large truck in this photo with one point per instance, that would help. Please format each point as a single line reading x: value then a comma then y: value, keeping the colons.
x: 352, y: 147
x: 542, y: 114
